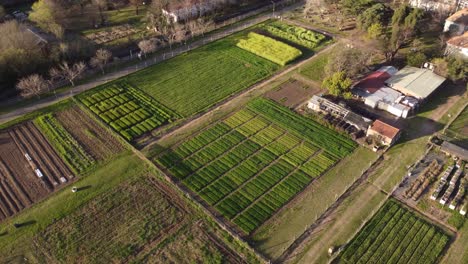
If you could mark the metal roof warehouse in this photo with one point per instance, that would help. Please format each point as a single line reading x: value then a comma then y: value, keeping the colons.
x: 419, y: 83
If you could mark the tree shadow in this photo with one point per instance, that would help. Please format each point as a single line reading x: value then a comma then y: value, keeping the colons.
x: 23, y: 224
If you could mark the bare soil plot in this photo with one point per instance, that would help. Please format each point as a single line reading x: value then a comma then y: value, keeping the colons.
x: 96, y: 140
x: 20, y: 185
x: 292, y: 93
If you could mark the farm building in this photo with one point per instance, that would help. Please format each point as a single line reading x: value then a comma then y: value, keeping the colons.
x: 320, y: 104
x: 385, y: 133
x: 374, y: 93
x: 454, y: 150
x: 415, y: 82
x: 457, y: 23
x: 458, y: 45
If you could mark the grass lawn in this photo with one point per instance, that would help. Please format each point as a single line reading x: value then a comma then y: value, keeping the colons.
x: 276, y: 235
x: 315, y: 69
x: 343, y: 225
x: 458, y: 129
x: 457, y: 252
x: 15, y: 241
x: 194, y: 81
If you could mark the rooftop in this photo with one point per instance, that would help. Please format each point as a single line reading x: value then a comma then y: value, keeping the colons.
x: 454, y: 150
x: 384, y: 129
x: 416, y: 82
x: 459, y: 41
x: 460, y: 17
x: 376, y: 80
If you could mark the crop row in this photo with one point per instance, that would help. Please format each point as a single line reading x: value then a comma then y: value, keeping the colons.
x: 298, y: 35
x: 239, y: 118
x: 336, y: 144
x: 268, y: 48
x: 265, y: 207
x: 69, y: 148
x: 127, y: 110
x: 230, y: 181
x: 396, y: 235
x: 318, y: 164
x: 244, y: 196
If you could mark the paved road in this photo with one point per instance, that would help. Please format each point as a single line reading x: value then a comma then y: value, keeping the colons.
x: 143, y: 64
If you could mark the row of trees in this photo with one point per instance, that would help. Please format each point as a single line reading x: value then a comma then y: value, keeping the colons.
x: 35, y: 84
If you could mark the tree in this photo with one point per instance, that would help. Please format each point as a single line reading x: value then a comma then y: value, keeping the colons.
x: 404, y: 26
x: 102, y: 6
x: 353, y: 61
x: 338, y: 85
x: 204, y: 25
x: 20, y: 55
x: 440, y: 66
x: 375, y: 31
x: 416, y: 59
x: 2, y: 12
x: 356, y: 7
x: 457, y: 68
x: 376, y: 14
x: 65, y: 72
x: 32, y: 85
x: 46, y: 14
x: 101, y: 59
x: 136, y: 4
x: 155, y: 17
x: 147, y: 46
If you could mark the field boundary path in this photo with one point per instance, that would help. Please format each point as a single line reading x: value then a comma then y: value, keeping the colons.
x: 306, y: 236
x: 143, y: 64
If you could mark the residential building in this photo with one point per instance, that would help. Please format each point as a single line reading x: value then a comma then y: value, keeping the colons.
x: 386, y: 134
x: 443, y: 6
x: 415, y: 82
x: 457, y: 24
x: 458, y: 45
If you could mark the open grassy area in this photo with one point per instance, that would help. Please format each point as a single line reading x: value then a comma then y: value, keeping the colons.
x: 278, y: 233
x: 196, y: 80
x: 315, y: 70
x: 18, y: 241
x: 458, y: 129
x: 457, y: 252
x: 341, y: 226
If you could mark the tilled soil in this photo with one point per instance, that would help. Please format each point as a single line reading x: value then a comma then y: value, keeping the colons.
x: 19, y: 185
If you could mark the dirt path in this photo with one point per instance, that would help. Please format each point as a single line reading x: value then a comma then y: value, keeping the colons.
x: 232, y: 103
x: 320, y: 223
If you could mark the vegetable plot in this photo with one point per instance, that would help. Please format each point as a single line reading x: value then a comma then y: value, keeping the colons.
x: 248, y: 167
x: 298, y: 35
x: 396, y: 235
x: 127, y: 110
x: 270, y: 49
x: 67, y: 146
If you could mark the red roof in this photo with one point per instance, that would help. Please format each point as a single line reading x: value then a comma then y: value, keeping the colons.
x: 374, y: 81
x: 385, y: 129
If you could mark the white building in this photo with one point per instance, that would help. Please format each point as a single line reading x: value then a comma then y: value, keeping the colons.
x: 444, y: 6
x: 457, y: 24
x: 458, y: 45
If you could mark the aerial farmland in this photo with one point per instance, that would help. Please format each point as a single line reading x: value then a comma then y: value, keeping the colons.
x: 199, y: 136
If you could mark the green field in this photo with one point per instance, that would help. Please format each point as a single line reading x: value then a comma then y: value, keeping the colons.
x: 268, y: 48
x: 396, y: 235
x: 126, y: 109
x: 252, y: 163
x: 294, y: 34
x: 194, y: 81
x: 68, y: 147
x: 458, y: 129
